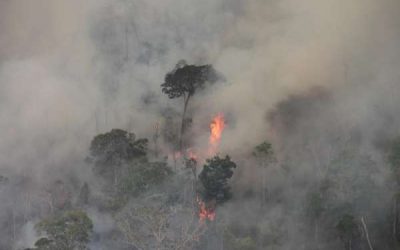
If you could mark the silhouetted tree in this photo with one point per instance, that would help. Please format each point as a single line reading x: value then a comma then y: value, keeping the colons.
x: 184, y: 80
x: 265, y: 156
x: 214, y: 179
x: 348, y: 230
x: 111, y: 150
x: 140, y: 176
x: 70, y: 230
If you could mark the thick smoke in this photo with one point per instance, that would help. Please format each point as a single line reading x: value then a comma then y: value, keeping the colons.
x: 296, y: 73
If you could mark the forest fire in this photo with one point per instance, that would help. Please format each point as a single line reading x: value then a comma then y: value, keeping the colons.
x: 216, y: 127
x: 205, y: 212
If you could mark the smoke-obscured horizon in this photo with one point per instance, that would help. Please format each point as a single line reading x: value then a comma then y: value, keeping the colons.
x: 310, y: 76
x: 71, y: 66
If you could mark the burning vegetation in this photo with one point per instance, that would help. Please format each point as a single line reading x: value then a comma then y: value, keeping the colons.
x: 290, y: 139
x: 150, y: 200
x: 206, y: 211
x: 217, y: 126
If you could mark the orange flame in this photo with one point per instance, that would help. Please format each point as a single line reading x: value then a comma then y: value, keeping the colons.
x: 205, y: 213
x: 216, y: 127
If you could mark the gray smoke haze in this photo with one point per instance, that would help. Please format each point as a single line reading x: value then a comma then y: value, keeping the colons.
x: 294, y: 71
x: 68, y: 67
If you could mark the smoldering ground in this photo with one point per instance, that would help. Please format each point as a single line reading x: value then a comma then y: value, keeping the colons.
x: 71, y: 69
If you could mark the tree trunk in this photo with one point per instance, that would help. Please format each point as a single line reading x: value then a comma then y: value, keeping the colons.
x: 174, y: 157
x: 316, y: 234
x: 115, y: 179
x: 366, y: 233
x: 264, y: 185
x: 395, y: 219
x: 396, y: 222
x: 14, y: 230
x: 156, y: 136
x: 186, y: 99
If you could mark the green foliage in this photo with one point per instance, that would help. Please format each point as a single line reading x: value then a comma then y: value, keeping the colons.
x: 214, y: 179
x: 70, y: 230
x: 263, y: 150
x: 43, y: 243
x: 186, y: 79
x: 115, y: 148
x: 347, y: 227
x: 140, y: 176
x: 239, y: 237
x: 246, y: 243
x: 115, y: 203
x: 112, y: 150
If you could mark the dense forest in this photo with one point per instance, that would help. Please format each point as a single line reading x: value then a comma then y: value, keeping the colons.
x: 199, y: 125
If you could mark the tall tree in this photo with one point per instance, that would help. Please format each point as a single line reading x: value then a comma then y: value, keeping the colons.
x: 265, y: 156
x: 183, y: 81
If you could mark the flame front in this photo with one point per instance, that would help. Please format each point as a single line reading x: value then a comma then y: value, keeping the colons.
x: 205, y: 213
x: 216, y: 127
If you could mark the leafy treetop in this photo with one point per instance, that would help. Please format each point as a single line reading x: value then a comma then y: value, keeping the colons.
x: 347, y: 228
x: 70, y: 230
x: 116, y: 147
x: 185, y: 79
x: 263, y: 150
x: 214, y: 179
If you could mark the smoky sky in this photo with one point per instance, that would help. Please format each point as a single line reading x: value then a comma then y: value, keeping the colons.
x: 71, y: 69
x: 310, y: 76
